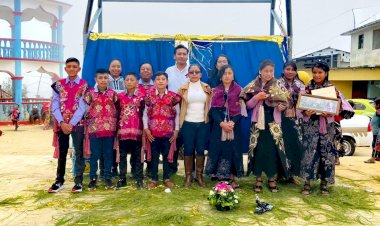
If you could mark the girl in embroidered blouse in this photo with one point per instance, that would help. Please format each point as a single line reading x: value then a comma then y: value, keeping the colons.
x: 196, y: 97
x: 268, y: 98
x: 290, y: 125
x: 318, y: 161
x: 225, y: 159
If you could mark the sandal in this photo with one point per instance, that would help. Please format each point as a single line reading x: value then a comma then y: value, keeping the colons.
x: 324, y: 188
x: 273, y: 188
x: 258, y: 185
x: 306, y: 189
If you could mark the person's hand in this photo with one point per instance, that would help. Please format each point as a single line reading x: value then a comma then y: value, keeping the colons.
x: 231, y: 124
x: 149, y: 135
x: 226, y: 127
x: 326, y: 114
x: 309, y: 113
x: 66, y: 128
x: 174, y: 137
x: 261, y: 96
x: 281, y: 107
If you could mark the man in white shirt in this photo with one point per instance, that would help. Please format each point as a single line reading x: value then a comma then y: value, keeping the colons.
x: 177, y: 76
x: 177, y: 73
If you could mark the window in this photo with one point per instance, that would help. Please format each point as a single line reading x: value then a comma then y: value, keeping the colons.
x: 359, y: 106
x: 361, y: 41
x: 376, y: 39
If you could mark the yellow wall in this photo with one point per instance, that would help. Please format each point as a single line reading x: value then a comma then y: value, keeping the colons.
x: 344, y: 87
x: 352, y: 74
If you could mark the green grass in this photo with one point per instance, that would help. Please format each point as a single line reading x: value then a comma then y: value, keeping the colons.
x: 190, y: 206
x: 11, y: 201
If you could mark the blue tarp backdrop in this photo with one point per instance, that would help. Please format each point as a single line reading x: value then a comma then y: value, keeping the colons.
x: 245, y: 58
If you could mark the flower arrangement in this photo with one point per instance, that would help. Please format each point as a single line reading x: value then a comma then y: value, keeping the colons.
x: 223, y: 196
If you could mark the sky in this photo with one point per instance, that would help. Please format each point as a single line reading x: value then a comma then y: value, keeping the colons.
x: 317, y: 24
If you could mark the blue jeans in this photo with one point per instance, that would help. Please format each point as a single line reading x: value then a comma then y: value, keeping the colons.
x: 160, y: 146
x: 101, y: 147
x: 194, y: 136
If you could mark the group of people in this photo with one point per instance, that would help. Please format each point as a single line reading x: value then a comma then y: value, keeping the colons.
x: 149, y: 118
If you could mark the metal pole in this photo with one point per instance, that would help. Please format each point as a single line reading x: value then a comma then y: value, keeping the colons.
x: 289, y: 27
x: 87, y: 23
x: 100, y: 18
x: 272, y: 7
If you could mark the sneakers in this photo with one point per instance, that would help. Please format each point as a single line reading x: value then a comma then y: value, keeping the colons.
x: 121, y: 183
x: 77, y: 188
x: 56, y: 187
x: 92, y: 185
x: 109, y: 184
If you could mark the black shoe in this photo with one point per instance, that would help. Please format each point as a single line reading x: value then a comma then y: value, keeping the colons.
x: 56, y: 187
x: 77, y: 188
x: 92, y: 185
x: 109, y: 184
x: 121, y: 183
x: 115, y: 173
x: 139, y: 184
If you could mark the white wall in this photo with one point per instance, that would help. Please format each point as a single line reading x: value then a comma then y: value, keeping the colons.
x: 365, y: 56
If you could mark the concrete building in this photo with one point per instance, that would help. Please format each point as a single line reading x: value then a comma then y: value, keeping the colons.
x: 18, y: 56
x: 334, y: 57
x: 365, y: 45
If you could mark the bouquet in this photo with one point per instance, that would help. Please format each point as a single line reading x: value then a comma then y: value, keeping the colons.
x: 223, y: 196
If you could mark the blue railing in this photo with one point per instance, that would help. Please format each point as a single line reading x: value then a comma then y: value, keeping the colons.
x: 25, y: 108
x: 30, y: 49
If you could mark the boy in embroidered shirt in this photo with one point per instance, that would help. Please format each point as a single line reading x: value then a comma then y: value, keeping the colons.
x: 15, y: 116
x: 161, y: 125
x: 68, y: 109
x: 101, y: 120
x: 131, y: 104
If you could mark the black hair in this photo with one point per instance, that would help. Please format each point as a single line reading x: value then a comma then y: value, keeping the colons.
x: 294, y: 66
x: 223, y: 69
x: 131, y: 73
x: 72, y: 59
x: 377, y: 101
x: 159, y: 73
x: 265, y: 63
x: 114, y: 60
x: 146, y: 63
x: 214, y: 71
x: 194, y: 65
x: 180, y: 46
x: 321, y: 65
x: 101, y: 71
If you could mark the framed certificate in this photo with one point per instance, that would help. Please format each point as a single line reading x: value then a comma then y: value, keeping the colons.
x: 318, y: 104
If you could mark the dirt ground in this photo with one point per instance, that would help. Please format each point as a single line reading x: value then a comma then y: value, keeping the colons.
x: 27, y: 163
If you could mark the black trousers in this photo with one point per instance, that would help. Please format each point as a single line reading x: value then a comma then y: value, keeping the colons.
x: 134, y: 147
x: 63, y: 140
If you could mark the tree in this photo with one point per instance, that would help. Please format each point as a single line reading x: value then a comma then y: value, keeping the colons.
x: 8, y: 88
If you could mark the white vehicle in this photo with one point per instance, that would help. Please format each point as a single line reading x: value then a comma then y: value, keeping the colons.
x: 356, y: 132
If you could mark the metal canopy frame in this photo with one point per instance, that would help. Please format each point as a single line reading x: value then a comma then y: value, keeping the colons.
x: 89, y: 22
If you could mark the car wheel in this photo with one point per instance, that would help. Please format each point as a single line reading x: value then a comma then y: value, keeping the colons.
x: 348, y: 146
